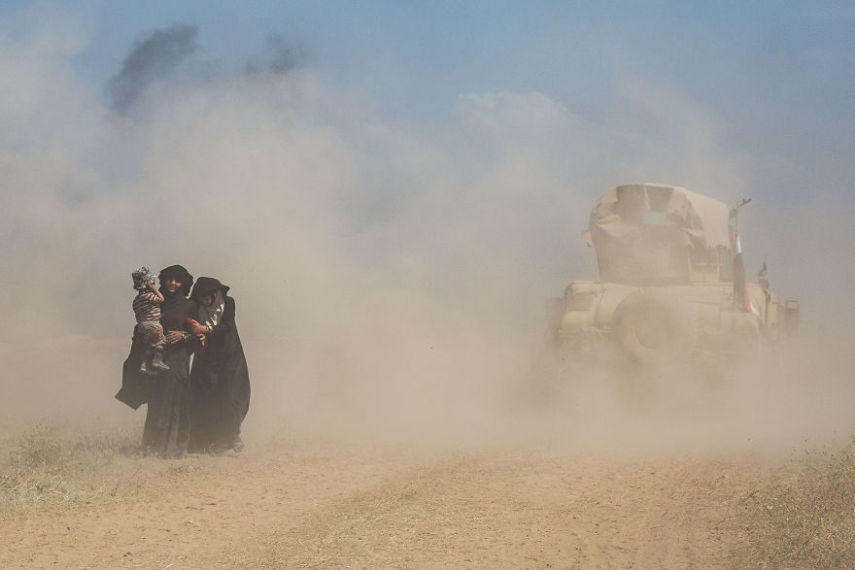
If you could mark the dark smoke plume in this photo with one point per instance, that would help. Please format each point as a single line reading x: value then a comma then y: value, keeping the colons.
x: 279, y: 57
x: 151, y: 59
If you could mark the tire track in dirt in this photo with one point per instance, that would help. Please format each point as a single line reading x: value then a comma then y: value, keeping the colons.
x: 202, y: 512
x: 527, y: 511
x: 334, y: 506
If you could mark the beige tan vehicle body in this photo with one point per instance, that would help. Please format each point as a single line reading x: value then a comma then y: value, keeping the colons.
x: 671, y: 284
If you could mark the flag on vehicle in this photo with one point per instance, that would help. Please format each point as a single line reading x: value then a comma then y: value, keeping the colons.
x: 740, y: 284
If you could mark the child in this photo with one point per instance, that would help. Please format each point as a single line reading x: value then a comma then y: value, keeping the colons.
x: 146, y: 307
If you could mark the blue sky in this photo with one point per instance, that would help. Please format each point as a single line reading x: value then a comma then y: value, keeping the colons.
x: 776, y: 74
x: 749, y: 62
x: 471, y: 121
x: 566, y: 48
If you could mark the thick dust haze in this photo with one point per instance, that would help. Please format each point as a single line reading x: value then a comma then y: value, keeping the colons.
x: 390, y: 278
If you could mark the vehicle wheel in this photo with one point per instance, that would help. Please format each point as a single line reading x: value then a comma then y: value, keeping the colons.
x: 653, y: 329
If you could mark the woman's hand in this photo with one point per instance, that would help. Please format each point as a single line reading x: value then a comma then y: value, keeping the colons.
x: 174, y: 336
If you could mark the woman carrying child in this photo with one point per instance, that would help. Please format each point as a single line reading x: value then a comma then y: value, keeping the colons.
x: 167, y: 421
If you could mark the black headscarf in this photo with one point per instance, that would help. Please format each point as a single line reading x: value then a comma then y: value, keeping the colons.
x: 178, y: 273
x: 206, y: 285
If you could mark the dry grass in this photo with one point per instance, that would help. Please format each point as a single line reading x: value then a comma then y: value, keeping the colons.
x: 804, y: 517
x: 51, y: 465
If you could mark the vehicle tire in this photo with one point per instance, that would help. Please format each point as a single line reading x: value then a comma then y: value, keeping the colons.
x: 653, y: 329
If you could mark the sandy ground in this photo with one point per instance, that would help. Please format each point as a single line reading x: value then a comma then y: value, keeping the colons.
x: 339, y: 505
x: 462, y: 484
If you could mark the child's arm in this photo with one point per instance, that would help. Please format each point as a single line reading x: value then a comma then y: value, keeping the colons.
x: 154, y: 290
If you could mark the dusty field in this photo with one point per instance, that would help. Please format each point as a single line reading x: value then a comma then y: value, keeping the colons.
x: 434, y: 475
x: 322, y: 504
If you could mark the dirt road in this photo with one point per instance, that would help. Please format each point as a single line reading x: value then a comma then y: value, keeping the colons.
x: 585, y: 485
x: 335, y: 505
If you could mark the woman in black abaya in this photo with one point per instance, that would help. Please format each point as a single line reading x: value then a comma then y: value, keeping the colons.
x: 167, y: 420
x: 220, y: 378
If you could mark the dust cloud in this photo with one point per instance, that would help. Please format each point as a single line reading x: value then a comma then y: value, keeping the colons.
x: 390, y: 278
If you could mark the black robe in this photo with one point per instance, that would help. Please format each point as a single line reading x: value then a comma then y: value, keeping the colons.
x: 219, y: 387
x: 167, y: 420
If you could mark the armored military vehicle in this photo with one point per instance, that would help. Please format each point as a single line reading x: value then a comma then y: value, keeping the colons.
x: 672, y: 284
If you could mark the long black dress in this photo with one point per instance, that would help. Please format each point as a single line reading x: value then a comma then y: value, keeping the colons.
x: 167, y: 420
x: 219, y: 382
